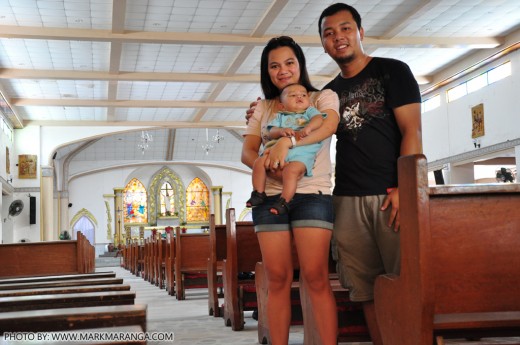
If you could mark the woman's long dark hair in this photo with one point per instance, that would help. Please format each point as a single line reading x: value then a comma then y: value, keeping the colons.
x: 269, y: 89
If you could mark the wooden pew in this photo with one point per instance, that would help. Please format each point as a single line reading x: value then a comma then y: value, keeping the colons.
x: 47, y: 258
x: 59, y: 277
x: 67, y: 300
x: 242, y: 254
x: 460, y: 267
x: 66, y: 289
x: 191, y: 259
x: 146, y: 259
x: 61, y: 283
x: 160, y: 261
x: 73, y: 318
x: 170, y: 264
x: 217, y: 244
x: 139, y: 260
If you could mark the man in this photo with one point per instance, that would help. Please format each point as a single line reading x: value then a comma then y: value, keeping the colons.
x: 380, y: 121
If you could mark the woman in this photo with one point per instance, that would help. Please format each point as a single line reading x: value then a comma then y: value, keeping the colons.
x: 310, y: 217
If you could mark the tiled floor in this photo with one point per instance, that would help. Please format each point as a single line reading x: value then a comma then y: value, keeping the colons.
x: 191, y: 324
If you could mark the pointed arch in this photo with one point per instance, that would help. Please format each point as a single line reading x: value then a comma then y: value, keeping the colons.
x: 165, y: 175
x: 246, y: 215
x: 197, y: 201
x: 86, y: 223
x: 135, y: 202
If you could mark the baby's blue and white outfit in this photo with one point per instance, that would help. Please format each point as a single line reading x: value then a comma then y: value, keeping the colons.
x: 305, y: 153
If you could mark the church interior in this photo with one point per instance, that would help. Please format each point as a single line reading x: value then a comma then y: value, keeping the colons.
x: 123, y: 120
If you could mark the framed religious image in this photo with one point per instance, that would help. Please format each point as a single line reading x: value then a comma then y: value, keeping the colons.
x: 477, y: 120
x: 27, y: 166
x: 7, y: 161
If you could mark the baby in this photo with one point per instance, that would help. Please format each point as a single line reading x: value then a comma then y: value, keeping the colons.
x: 296, y: 119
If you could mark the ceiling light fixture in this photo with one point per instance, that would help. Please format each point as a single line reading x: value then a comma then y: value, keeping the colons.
x: 146, y: 138
x: 207, y: 146
x: 217, y: 137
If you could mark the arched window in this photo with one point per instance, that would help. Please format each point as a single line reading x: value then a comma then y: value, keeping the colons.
x: 166, y: 180
x: 85, y: 226
x: 167, y: 200
x: 197, y: 201
x: 134, y: 202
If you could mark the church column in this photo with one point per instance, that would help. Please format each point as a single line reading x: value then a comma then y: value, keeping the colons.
x: 461, y: 174
x: 48, y: 231
x: 64, y: 216
x: 217, y: 204
x: 118, y: 215
x: 517, y: 157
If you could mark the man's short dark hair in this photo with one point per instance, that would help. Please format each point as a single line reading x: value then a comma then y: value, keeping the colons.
x: 337, y: 7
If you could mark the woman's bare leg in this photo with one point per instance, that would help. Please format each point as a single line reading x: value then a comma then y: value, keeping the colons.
x: 313, y: 246
x: 277, y: 260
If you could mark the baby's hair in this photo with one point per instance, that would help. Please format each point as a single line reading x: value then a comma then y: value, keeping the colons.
x: 293, y: 84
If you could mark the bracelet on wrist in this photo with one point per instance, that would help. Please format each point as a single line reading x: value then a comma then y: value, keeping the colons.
x: 293, y: 142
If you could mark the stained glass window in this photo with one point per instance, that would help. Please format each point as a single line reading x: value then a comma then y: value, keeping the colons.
x: 167, y: 200
x: 197, y: 201
x: 135, y: 202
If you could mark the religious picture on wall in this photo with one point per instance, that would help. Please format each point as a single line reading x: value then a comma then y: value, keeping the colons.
x: 27, y: 166
x: 477, y: 119
x: 7, y: 161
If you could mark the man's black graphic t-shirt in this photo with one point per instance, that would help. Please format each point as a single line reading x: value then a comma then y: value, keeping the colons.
x: 368, y: 138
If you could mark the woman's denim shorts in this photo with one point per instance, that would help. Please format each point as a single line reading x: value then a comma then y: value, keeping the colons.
x: 305, y: 211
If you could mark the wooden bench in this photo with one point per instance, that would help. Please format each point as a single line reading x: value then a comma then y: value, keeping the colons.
x: 61, y: 283
x: 217, y: 254
x: 169, y: 264
x: 242, y: 254
x: 66, y: 300
x: 460, y: 262
x: 73, y: 318
x: 62, y: 290
x: 140, y: 260
x: 191, y: 262
x: 169, y: 270
x: 160, y: 261
x: 60, y: 277
x: 147, y: 258
x: 47, y: 258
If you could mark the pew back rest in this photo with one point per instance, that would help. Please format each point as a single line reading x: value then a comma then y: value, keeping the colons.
x: 217, y: 240
x: 39, y: 258
x: 243, y: 249
x: 192, y: 251
x: 475, y: 240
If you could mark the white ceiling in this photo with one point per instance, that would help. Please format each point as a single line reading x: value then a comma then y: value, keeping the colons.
x: 186, y: 65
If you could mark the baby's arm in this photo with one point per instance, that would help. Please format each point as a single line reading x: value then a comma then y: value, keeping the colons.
x: 278, y: 132
x: 313, y: 124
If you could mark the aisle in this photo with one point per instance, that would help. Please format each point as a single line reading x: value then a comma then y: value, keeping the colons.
x: 189, y: 319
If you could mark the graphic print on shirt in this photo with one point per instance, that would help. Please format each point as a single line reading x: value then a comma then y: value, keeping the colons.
x: 294, y: 122
x: 359, y: 105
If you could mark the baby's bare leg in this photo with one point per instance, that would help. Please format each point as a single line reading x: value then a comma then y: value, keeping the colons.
x: 259, y: 174
x: 291, y: 174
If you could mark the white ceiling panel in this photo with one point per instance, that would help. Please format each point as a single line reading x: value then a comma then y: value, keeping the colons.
x: 189, y: 64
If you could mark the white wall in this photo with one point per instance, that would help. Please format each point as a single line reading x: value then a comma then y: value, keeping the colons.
x: 447, y: 129
x: 87, y: 191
